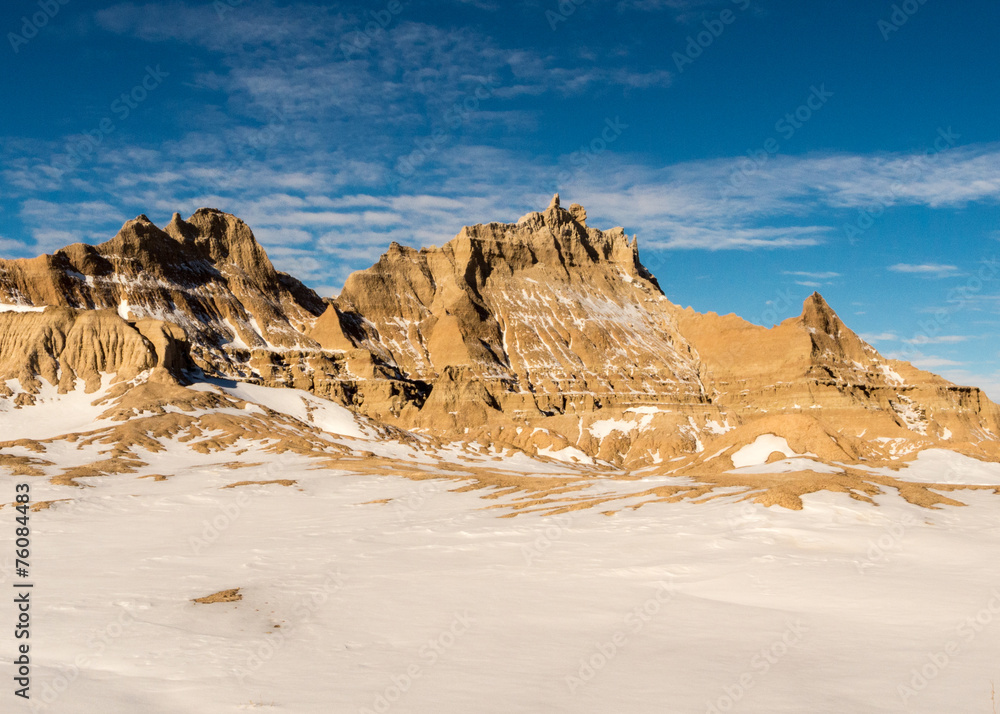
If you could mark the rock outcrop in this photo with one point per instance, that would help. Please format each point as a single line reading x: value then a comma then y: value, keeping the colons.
x: 545, y: 334
x: 207, y: 274
x: 551, y: 316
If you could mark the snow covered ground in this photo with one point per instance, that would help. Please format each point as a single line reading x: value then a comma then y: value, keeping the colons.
x: 52, y: 414
x: 377, y: 593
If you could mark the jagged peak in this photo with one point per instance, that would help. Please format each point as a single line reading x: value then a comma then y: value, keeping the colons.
x: 829, y: 334
x: 816, y: 312
x: 210, y: 235
x: 226, y: 238
x: 576, y: 212
x: 180, y: 230
x: 139, y: 233
x: 566, y: 228
x: 557, y: 239
x: 139, y: 227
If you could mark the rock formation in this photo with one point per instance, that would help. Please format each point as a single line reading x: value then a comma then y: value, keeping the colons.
x: 207, y: 274
x: 545, y: 335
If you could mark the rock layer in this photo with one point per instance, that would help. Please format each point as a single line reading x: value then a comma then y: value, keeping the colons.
x: 545, y: 334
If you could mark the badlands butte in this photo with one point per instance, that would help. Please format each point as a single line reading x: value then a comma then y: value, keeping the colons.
x: 538, y: 360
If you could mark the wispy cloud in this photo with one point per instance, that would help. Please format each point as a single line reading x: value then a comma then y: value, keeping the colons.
x: 14, y: 248
x: 685, y: 10
x: 814, y: 280
x: 937, y: 340
x: 933, y: 362
x: 291, y: 59
x: 815, y: 276
x: 54, y: 225
x: 933, y: 270
x: 880, y: 337
x: 287, y: 88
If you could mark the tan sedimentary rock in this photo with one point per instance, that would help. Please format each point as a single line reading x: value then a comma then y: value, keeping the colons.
x: 207, y: 274
x: 544, y: 335
x: 814, y: 365
x: 62, y: 345
x: 549, y: 315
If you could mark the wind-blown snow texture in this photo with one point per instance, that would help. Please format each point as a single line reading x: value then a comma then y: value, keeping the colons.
x: 379, y: 593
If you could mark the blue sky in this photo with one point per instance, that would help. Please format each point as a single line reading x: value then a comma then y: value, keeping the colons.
x: 760, y: 149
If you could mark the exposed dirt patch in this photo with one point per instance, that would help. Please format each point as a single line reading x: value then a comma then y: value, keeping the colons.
x: 156, y: 477
x: 23, y: 465
x: 232, y: 595
x: 45, y: 505
x: 279, y: 482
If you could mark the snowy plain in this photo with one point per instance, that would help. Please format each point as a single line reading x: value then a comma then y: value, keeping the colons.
x: 365, y: 593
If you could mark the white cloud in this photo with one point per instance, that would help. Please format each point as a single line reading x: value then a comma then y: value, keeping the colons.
x: 48, y: 240
x: 14, y: 248
x: 309, y: 196
x: 938, y: 340
x: 281, y: 235
x: 935, y: 270
x: 268, y: 156
x: 54, y: 225
x: 933, y: 362
x: 815, y: 276
x: 684, y: 8
x: 278, y: 60
x: 880, y: 337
